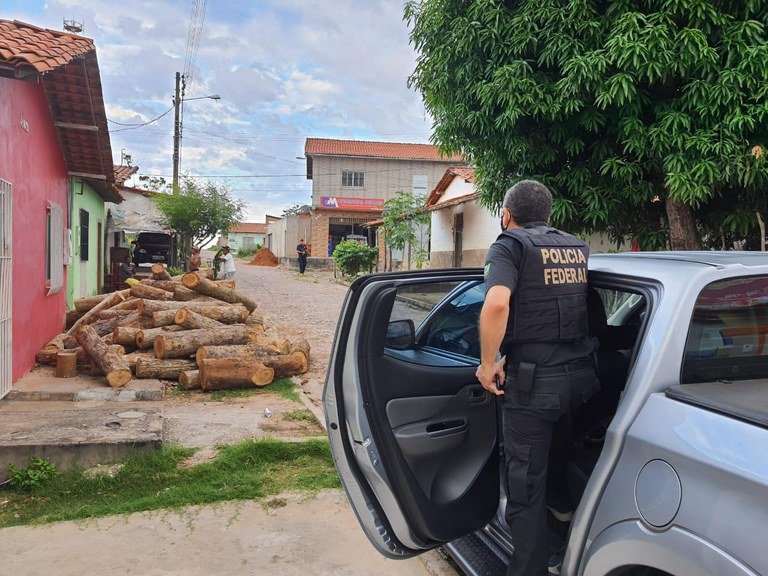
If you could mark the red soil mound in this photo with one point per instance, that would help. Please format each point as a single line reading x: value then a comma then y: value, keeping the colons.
x: 264, y: 257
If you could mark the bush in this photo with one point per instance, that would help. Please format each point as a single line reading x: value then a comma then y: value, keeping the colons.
x: 249, y: 251
x: 32, y: 476
x: 353, y: 257
x: 173, y: 271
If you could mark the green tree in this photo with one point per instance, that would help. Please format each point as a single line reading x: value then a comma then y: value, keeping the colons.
x: 646, y: 118
x: 200, y: 212
x: 353, y: 257
x: 406, y: 226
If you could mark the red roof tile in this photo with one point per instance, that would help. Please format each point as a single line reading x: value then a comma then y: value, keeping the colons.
x: 23, y: 44
x: 361, y: 148
x: 453, y: 202
x: 122, y: 173
x: 468, y: 174
x: 248, y: 228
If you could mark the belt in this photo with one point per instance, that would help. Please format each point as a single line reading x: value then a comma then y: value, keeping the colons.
x: 526, y: 372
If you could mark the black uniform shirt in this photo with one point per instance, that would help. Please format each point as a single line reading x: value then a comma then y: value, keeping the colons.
x: 501, y: 269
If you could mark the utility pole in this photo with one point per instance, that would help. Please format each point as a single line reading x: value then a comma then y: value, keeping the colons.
x: 176, y: 133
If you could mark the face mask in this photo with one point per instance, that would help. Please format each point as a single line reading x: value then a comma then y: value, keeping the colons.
x: 503, y: 228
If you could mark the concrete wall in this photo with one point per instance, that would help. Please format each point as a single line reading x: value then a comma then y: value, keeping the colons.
x: 481, y: 228
x: 32, y: 161
x: 383, y: 178
x: 287, y: 232
x: 83, y: 275
x: 237, y: 239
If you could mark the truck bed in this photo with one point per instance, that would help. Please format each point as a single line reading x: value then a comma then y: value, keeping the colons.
x: 746, y: 400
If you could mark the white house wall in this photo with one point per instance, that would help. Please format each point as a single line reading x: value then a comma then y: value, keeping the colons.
x: 481, y: 228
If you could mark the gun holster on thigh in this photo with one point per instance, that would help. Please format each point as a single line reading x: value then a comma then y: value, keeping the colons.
x: 526, y: 372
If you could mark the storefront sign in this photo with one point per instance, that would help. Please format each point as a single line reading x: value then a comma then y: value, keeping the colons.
x: 345, y: 203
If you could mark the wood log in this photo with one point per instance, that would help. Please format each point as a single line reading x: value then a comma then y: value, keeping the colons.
x: 241, y: 352
x: 159, y: 272
x: 228, y: 283
x: 72, y: 317
x: 85, y: 304
x: 167, y: 285
x: 226, y: 314
x: 111, y: 364
x: 224, y: 373
x: 301, y: 345
x: 66, y: 364
x: 163, y: 369
x: 149, y: 307
x: 47, y: 354
x: 146, y: 337
x: 112, y: 313
x: 132, y: 318
x: 101, y: 327
x: 113, y: 299
x: 150, y: 292
x: 210, y: 288
x: 163, y: 318
x: 184, y: 294
x: 129, y: 304
x: 186, y: 343
x: 287, y: 365
x: 134, y: 357
x: 204, y: 273
x: 85, y: 363
x: 255, y: 318
x: 189, y: 380
x: 191, y: 320
x: 125, y: 335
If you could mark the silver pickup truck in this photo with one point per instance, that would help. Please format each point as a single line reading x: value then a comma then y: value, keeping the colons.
x: 670, y: 461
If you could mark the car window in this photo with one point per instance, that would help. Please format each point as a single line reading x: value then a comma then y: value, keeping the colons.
x: 153, y: 239
x: 728, y: 335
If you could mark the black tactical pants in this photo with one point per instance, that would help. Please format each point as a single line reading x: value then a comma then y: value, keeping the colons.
x: 537, y: 440
x: 302, y: 263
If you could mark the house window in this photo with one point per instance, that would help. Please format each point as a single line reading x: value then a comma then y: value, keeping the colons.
x: 420, y: 185
x: 47, y: 246
x: 248, y: 242
x: 352, y: 179
x: 84, y: 235
x: 54, y: 248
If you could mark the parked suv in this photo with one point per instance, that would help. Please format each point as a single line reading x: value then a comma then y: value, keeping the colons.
x: 669, y: 465
x: 152, y: 247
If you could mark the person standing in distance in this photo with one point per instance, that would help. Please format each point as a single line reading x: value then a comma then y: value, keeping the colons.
x: 535, y: 315
x: 227, y: 263
x: 301, y: 250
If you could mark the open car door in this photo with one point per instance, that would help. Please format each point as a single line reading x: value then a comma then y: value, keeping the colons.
x: 412, y: 432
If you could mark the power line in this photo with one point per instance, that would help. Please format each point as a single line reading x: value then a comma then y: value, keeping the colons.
x: 134, y: 126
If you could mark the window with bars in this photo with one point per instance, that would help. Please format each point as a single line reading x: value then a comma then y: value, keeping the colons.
x: 351, y: 179
x: 84, y: 234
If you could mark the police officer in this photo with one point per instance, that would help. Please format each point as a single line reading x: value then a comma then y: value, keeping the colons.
x: 535, y: 314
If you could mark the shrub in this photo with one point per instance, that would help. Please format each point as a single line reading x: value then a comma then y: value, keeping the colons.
x: 249, y: 251
x: 353, y: 257
x: 173, y: 271
x: 32, y: 476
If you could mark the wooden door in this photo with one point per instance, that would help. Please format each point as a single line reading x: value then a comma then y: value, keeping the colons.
x: 99, y: 260
x: 458, y: 239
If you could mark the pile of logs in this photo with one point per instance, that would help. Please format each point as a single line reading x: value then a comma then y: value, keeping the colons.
x: 189, y: 328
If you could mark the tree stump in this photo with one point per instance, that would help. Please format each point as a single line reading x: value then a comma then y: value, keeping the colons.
x: 189, y: 380
x: 111, y: 364
x: 210, y: 288
x: 66, y: 364
x: 186, y: 343
x: 150, y: 292
x: 146, y: 337
x: 191, y: 320
x: 159, y: 272
x: 224, y: 373
x: 87, y: 303
x: 162, y: 369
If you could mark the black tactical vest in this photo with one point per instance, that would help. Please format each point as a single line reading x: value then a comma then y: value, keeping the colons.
x: 550, y: 301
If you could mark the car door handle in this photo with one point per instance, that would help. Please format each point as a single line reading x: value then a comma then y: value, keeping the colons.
x: 478, y: 396
x: 446, y: 428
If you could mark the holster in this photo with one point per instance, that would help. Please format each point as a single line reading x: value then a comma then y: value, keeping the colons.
x: 526, y: 372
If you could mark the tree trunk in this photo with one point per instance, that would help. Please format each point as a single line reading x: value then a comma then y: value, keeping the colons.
x: 130, y: 304
x: 159, y: 272
x: 241, y: 352
x: 683, y: 234
x: 184, y: 294
x: 112, y: 313
x: 85, y: 304
x: 72, y: 317
x: 101, y: 327
x: 163, y: 318
x: 125, y: 335
x: 134, y: 357
x: 223, y: 373
x: 111, y: 364
x: 286, y: 365
x: 150, y: 292
x: 167, y: 285
x: 47, y: 354
x: 113, y: 299
x: 186, y: 343
x: 149, y: 307
x: 301, y: 345
x: 66, y: 364
x: 191, y: 320
x: 210, y: 288
x: 189, y: 380
x: 228, y: 283
x: 235, y: 314
x: 146, y: 338
x: 162, y: 369
x: 761, y: 223
x: 132, y: 318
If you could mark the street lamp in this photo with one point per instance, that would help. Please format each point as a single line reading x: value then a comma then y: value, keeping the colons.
x: 178, y: 99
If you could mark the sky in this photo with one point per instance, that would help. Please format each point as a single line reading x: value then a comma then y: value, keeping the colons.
x: 285, y: 70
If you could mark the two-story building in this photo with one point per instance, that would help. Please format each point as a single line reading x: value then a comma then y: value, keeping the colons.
x: 352, y: 179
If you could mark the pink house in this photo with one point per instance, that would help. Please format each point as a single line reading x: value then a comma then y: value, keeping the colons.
x: 52, y: 128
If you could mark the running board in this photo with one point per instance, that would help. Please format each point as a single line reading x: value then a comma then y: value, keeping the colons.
x: 477, y: 555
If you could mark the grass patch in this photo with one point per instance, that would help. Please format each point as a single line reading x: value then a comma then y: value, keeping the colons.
x: 284, y: 387
x: 302, y: 415
x: 252, y: 469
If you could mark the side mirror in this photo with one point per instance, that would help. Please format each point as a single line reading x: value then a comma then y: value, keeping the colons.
x: 401, y: 334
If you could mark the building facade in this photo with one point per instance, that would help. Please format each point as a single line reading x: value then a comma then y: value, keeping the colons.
x: 245, y: 235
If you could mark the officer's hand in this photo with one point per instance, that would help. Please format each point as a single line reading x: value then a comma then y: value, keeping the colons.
x: 491, y: 377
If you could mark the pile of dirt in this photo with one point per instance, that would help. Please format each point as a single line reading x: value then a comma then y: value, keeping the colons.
x: 264, y: 257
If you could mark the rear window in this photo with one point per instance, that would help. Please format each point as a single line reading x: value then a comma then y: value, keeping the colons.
x: 145, y: 238
x: 728, y: 336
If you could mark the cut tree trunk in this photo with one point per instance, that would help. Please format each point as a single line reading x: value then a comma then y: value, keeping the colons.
x: 683, y: 234
x: 301, y: 345
x: 210, y: 288
x: 224, y: 373
x: 186, y: 343
x: 132, y: 318
x: 125, y: 335
x: 114, y: 299
x: 167, y: 285
x: 191, y: 320
x: 242, y: 352
x: 159, y: 272
x: 184, y: 294
x: 150, y: 292
x: 72, y: 317
x: 189, y: 380
x: 112, y: 313
x: 226, y: 314
x: 85, y: 304
x: 254, y: 318
x: 163, y: 369
x: 47, y: 354
x: 111, y: 364
x: 287, y: 365
x: 66, y: 364
x: 227, y: 283
x: 134, y: 357
x: 101, y: 327
x: 163, y: 318
x: 146, y: 338
x: 130, y: 304
x: 149, y: 307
